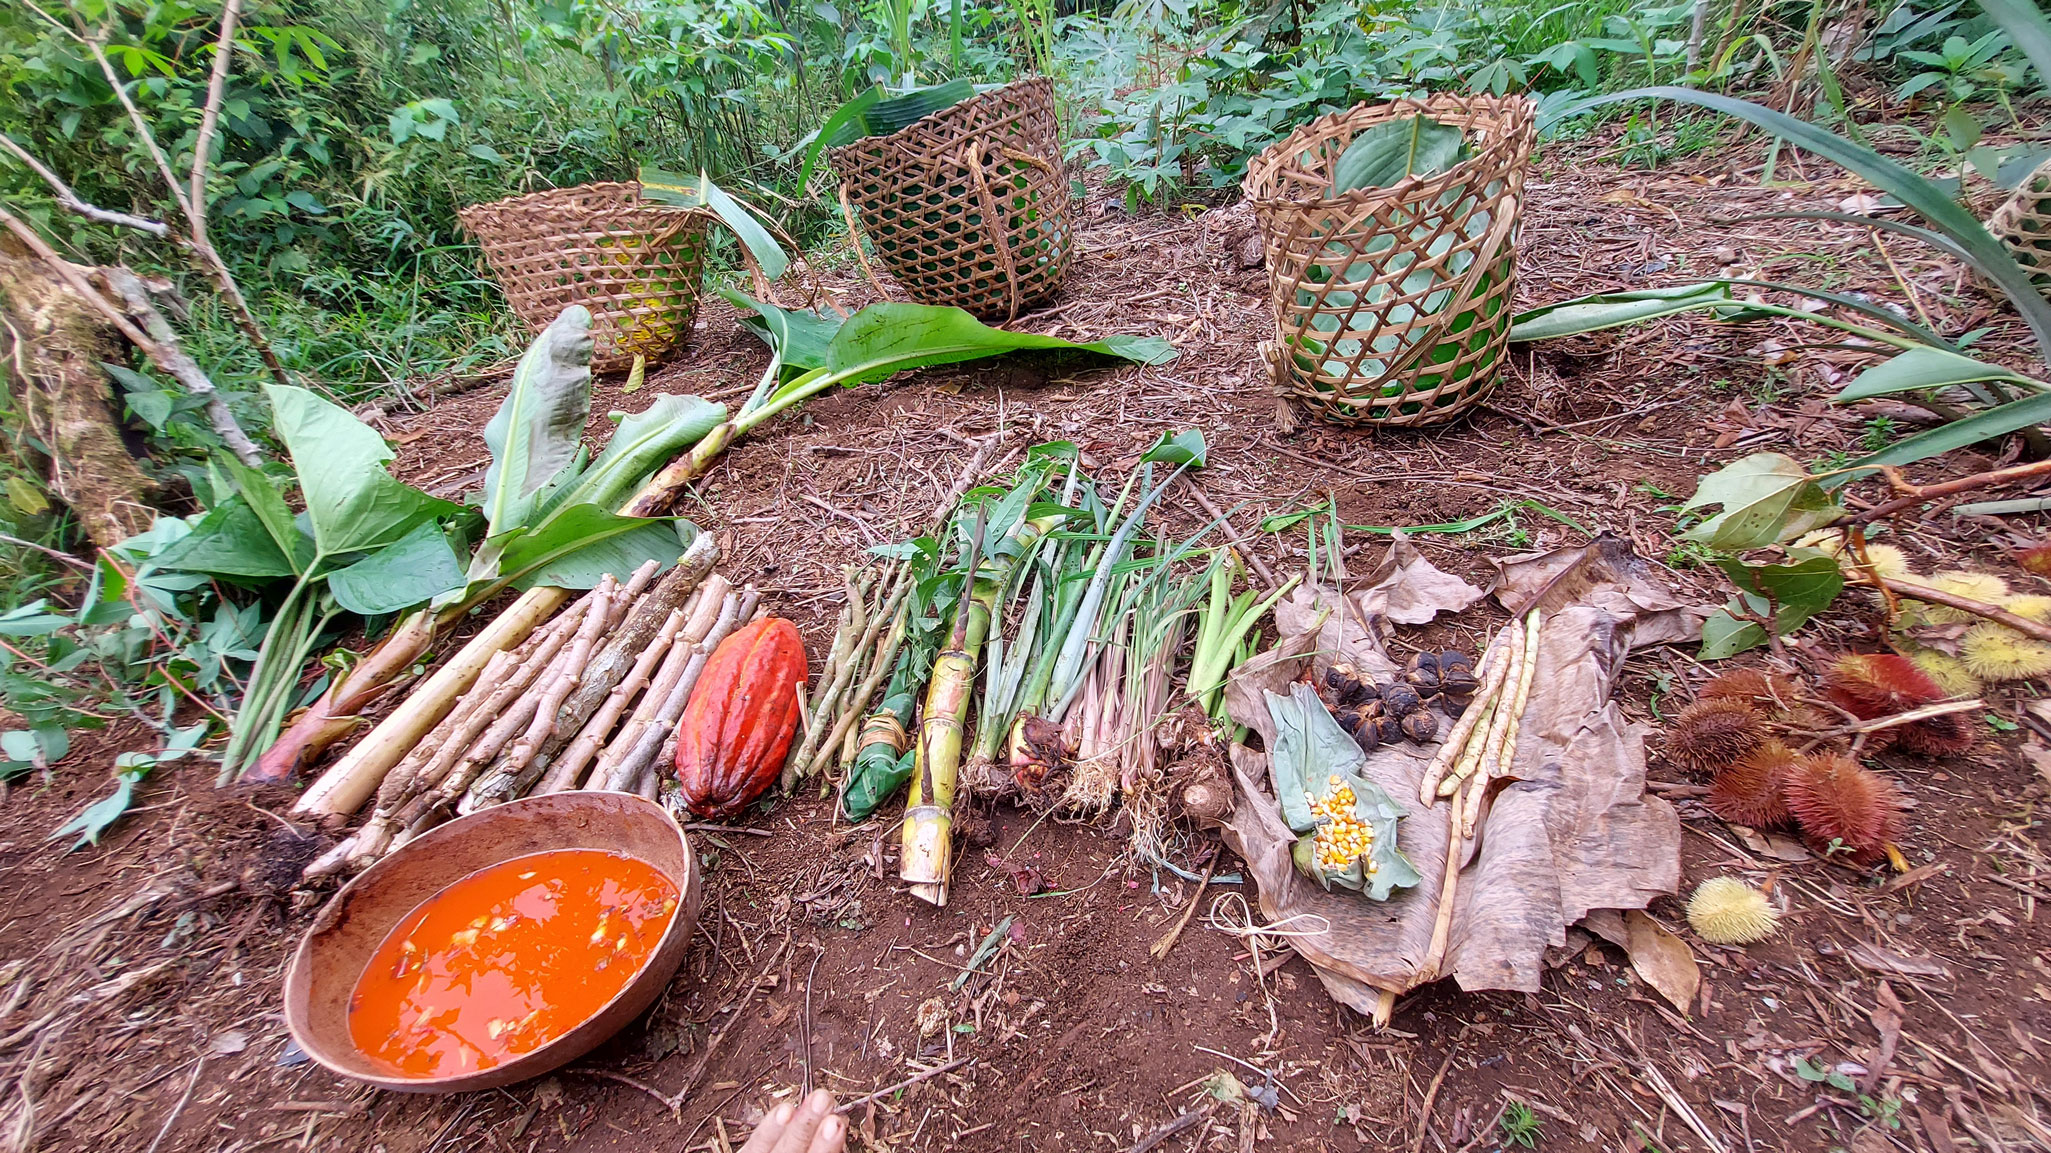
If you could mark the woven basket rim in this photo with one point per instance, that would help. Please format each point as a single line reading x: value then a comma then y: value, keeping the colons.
x: 1498, y: 118
x: 548, y: 196
x: 929, y: 123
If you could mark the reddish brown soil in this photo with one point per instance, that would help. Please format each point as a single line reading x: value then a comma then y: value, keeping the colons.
x: 1074, y: 1037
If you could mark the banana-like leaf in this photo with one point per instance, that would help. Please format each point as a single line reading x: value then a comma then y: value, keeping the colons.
x: 353, y: 503
x: 577, y: 548
x: 686, y: 192
x: 1924, y: 368
x: 1997, y: 421
x: 798, y: 336
x: 1615, y: 309
x: 884, y: 339
x: 643, y: 442
x: 1987, y: 255
x: 2025, y: 24
x: 1394, y: 149
x: 539, y: 427
x: 1929, y: 236
x: 830, y: 133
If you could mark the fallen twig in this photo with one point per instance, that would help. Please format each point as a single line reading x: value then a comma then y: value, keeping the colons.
x: 907, y: 1083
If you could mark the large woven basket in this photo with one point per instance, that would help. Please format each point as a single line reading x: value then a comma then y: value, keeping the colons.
x: 1392, y: 305
x: 634, y: 264
x: 969, y: 206
x: 2023, y: 222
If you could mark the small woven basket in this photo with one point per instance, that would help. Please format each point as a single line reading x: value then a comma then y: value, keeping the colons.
x: 969, y: 206
x: 2023, y: 222
x: 1392, y: 305
x: 634, y: 264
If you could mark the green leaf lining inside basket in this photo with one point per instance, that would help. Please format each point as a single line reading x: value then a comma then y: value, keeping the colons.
x: 1388, y: 152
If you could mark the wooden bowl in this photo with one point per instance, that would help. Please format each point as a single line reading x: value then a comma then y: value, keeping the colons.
x: 349, y: 930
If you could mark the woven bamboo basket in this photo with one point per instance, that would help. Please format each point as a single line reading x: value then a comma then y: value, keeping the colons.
x: 969, y: 206
x: 2023, y: 222
x: 1392, y: 305
x: 634, y: 264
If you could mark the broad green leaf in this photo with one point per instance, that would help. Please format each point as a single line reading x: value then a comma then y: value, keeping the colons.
x: 844, y: 119
x: 582, y: 543
x: 268, y: 504
x: 412, y: 570
x: 643, y: 442
x: 1997, y: 421
x: 1988, y: 255
x: 1766, y: 498
x: 1921, y: 368
x: 355, y: 506
x: 230, y: 541
x: 1178, y: 448
x: 1797, y: 591
x: 99, y: 816
x: 1311, y: 749
x: 31, y: 620
x: 538, y: 428
x: 884, y: 339
x: 684, y: 192
x: 798, y: 336
x: 1394, y: 149
x: 1615, y: 309
x: 1724, y: 635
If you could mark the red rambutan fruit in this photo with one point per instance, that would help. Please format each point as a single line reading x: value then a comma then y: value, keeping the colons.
x: 1765, y: 690
x: 1844, y: 807
x: 1750, y: 791
x: 1941, y: 736
x: 1869, y: 685
x: 2035, y: 559
x: 1708, y: 735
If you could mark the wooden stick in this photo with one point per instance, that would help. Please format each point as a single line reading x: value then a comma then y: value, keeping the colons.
x: 712, y: 603
x: 1442, y: 927
x: 649, y: 742
x: 550, y: 693
x: 1491, y: 678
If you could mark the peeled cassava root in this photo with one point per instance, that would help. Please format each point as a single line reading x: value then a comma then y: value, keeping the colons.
x: 737, y: 727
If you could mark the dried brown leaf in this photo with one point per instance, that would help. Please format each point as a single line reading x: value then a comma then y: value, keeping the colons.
x: 1663, y: 959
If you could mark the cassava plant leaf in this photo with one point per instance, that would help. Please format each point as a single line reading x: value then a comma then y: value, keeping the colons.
x: 1394, y: 149
x: 1766, y: 497
x: 538, y: 428
x: 1926, y: 368
x: 354, y: 504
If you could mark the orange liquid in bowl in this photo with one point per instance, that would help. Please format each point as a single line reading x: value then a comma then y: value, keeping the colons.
x: 508, y: 959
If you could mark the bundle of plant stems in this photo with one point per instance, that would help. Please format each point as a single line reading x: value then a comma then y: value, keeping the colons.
x: 586, y: 698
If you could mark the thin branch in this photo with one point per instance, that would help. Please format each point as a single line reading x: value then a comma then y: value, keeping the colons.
x: 71, y: 200
x: 217, y: 87
x: 1913, y: 495
x: 2033, y: 629
x: 72, y: 276
x: 171, y: 357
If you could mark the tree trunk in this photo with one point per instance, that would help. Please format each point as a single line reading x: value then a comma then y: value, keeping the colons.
x: 61, y: 340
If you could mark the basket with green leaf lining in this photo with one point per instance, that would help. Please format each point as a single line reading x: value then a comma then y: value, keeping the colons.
x: 961, y: 193
x: 2023, y: 222
x: 1391, y: 239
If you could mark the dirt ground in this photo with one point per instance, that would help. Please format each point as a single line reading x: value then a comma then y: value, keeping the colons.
x: 140, y: 1007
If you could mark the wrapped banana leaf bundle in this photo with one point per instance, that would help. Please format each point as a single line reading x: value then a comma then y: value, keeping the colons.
x: 1346, y: 824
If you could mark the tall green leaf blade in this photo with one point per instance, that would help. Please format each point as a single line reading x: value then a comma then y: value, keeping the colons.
x: 683, y: 192
x: 354, y: 504
x: 1993, y: 422
x: 577, y: 548
x: 536, y: 432
x: 840, y: 128
x: 1932, y: 203
x: 1602, y: 310
x: 1925, y: 368
x: 900, y: 112
x: 884, y: 339
x: 410, y: 571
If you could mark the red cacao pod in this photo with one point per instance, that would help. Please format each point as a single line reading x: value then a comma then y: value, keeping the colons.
x: 738, y: 724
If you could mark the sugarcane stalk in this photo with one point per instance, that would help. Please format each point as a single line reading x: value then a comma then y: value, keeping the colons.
x: 1478, y: 712
x: 711, y: 603
x: 927, y: 859
x: 568, y: 770
x: 549, y: 697
x: 343, y: 789
x: 662, y: 723
x: 1449, y: 887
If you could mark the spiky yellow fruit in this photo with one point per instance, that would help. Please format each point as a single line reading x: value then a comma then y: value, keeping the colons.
x: 2029, y: 606
x: 1888, y: 562
x: 1980, y: 586
x: 1948, y: 671
x: 1996, y: 653
x: 1727, y: 911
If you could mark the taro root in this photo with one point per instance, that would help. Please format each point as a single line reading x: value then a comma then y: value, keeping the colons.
x: 1400, y: 700
x: 1422, y: 673
x: 1420, y: 726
